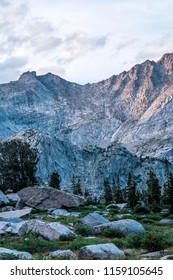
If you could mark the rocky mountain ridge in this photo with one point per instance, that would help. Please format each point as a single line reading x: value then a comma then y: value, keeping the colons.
x: 88, y: 129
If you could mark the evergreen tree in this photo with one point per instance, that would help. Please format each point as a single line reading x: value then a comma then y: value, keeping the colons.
x: 18, y: 165
x: 154, y: 192
x: 107, y: 192
x: 170, y: 193
x: 55, y: 180
x: 116, y: 191
x: 76, y: 185
x: 132, y: 196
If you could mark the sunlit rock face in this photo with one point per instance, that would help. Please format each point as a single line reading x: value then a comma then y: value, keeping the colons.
x: 95, y: 131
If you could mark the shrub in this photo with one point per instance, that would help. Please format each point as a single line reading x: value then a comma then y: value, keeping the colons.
x: 139, y: 209
x: 79, y: 242
x: 34, y: 244
x: 112, y: 233
x: 152, y: 241
x: 83, y: 230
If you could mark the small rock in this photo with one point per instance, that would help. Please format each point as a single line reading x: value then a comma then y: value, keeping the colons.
x: 63, y: 254
x: 6, y: 253
x: 61, y: 212
x: 93, y: 219
x: 152, y: 254
x: 168, y: 257
x: 100, y: 252
x: 165, y: 222
x: 13, y: 197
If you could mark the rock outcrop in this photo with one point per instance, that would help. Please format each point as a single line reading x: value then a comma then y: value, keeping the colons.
x: 43, y: 198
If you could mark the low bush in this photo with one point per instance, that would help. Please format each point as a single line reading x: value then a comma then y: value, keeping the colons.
x: 112, y: 233
x: 33, y: 244
x: 139, y: 209
x: 79, y: 242
x: 83, y: 230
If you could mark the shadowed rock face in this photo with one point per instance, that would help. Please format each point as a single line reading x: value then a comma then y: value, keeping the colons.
x: 87, y: 130
x: 44, y: 198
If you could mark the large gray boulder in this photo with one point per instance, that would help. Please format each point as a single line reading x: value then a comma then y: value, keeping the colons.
x: 93, y: 219
x: 15, y: 214
x: 126, y: 227
x: 50, y: 231
x: 100, y: 252
x: 3, y: 199
x: 43, y: 198
x: 62, y: 254
x: 10, y: 254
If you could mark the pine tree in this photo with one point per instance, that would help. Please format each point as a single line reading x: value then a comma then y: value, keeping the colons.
x: 76, y: 186
x: 132, y: 196
x: 116, y: 191
x: 170, y: 193
x: 107, y: 192
x: 18, y: 165
x: 55, y: 180
x: 154, y: 192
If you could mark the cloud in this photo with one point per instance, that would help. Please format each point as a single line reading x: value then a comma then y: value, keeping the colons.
x: 11, y: 67
x: 13, y: 62
x: 78, y: 44
x: 4, y: 3
x: 42, y: 36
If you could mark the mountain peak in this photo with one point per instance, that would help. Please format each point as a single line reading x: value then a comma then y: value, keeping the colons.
x: 167, y: 58
x: 27, y: 76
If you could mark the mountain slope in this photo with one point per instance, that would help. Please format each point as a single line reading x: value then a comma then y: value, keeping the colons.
x: 133, y: 109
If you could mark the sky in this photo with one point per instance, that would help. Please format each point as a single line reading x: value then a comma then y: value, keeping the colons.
x: 83, y: 41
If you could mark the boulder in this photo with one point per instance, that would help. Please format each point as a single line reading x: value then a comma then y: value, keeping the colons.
x: 50, y: 231
x: 3, y: 199
x: 126, y: 227
x: 15, y: 214
x: 152, y: 254
x: 11, y: 220
x: 43, y: 198
x: 167, y: 257
x: 165, y: 222
x: 7, y: 254
x: 13, y: 197
x: 93, y: 219
x: 13, y: 228
x: 63, y: 254
x: 61, y: 212
x: 100, y: 252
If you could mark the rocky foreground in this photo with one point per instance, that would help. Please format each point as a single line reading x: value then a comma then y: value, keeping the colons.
x: 79, y: 231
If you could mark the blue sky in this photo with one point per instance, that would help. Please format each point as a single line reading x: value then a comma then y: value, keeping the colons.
x: 82, y: 40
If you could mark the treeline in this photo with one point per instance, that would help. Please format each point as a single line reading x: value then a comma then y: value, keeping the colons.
x: 154, y: 197
x: 18, y: 165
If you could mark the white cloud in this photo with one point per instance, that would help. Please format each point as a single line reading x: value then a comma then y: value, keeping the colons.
x: 71, y: 37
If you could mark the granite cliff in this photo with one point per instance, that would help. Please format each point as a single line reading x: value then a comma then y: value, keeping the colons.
x: 105, y: 129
